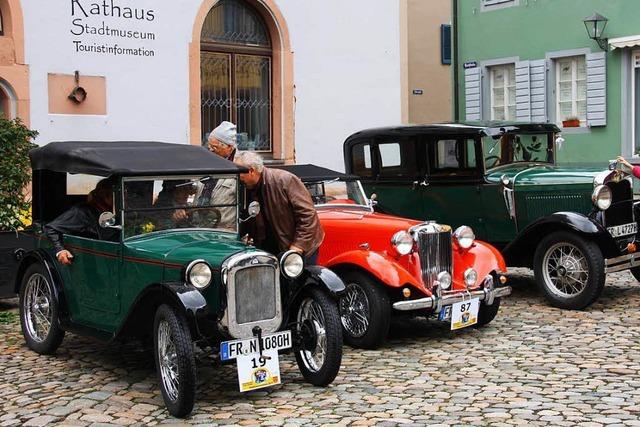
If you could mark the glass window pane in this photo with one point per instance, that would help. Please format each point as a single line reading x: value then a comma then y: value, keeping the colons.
x: 581, y: 68
x: 512, y: 74
x: 566, y: 92
x: 511, y: 111
x: 512, y: 96
x: 498, y: 76
x: 565, y: 71
x: 581, y: 89
x: 398, y: 158
x: 390, y: 155
x: 498, y: 97
x: 215, y: 91
x: 498, y: 114
x: 253, y: 102
x: 637, y: 109
x: 234, y: 22
x: 565, y: 110
x: 581, y: 106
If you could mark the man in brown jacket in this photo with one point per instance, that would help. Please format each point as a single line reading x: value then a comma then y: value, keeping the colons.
x: 287, y: 219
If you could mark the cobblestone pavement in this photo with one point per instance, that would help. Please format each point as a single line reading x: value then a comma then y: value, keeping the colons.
x: 533, y: 365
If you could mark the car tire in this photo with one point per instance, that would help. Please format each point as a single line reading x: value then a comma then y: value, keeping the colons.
x: 40, y: 311
x: 319, y: 350
x: 175, y: 360
x: 365, y: 311
x: 486, y: 313
x: 569, y: 270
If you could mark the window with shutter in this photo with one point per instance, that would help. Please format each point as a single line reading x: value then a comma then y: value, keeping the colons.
x: 502, y: 80
x: 571, y: 89
x: 472, y: 84
x: 596, y: 89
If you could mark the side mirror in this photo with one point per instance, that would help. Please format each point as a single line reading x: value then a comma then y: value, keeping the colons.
x: 253, y: 210
x: 372, y: 200
x: 107, y: 220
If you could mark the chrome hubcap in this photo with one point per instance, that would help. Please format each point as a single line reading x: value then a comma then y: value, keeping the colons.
x: 168, y: 359
x: 37, y: 307
x: 354, y: 311
x: 565, y: 270
x: 310, y: 314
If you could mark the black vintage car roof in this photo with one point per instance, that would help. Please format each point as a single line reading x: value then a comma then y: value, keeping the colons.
x: 463, y: 128
x: 312, y: 173
x: 126, y: 158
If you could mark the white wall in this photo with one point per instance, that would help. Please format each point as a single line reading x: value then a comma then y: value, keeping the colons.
x: 346, y: 70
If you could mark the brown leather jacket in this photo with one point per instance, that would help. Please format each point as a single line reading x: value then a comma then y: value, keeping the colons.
x: 289, y: 210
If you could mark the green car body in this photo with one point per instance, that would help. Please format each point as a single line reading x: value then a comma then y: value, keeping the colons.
x: 502, y: 180
x: 172, y: 267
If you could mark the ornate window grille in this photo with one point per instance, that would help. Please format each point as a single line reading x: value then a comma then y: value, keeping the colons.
x: 236, y: 73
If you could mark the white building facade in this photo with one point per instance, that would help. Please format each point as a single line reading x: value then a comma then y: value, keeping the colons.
x: 297, y: 76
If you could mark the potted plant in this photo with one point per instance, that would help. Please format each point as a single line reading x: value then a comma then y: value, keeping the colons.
x: 571, y: 122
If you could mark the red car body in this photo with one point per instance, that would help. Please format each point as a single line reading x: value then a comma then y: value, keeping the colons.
x: 433, y: 272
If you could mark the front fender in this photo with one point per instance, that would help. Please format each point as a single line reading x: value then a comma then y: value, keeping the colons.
x: 520, y: 251
x: 482, y: 257
x: 315, y: 275
x: 384, y: 268
x: 185, y: 298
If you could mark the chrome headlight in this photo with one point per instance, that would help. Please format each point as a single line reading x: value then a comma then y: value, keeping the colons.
x: 465, y: 236
x: 601, y: 197
x: 292, y: 264
x: 444, y: 280
x: 199, y: 274
x: 402, y: 242
x: 470, y: 277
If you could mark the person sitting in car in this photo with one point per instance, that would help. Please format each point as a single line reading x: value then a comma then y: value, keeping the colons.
x: 82, y: 220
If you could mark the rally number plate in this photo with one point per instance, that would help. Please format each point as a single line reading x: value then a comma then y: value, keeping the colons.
x: 464, y: 313
x: 623, y: 230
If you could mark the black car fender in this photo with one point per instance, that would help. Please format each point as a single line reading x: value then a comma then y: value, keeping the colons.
x: 520, y: 251
x: 183, y: 297
x: 315, y: 275
x: 42, y: 257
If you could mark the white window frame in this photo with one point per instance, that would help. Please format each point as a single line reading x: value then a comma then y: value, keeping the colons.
x: 487, y: 5
x: 507, y: 86
x: 574, y: 88
x: 635, y: 64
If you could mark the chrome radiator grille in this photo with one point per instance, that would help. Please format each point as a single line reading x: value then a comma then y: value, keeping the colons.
x: 255, y: 294
x: 435, y: 254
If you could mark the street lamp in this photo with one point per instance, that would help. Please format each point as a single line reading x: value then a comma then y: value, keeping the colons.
x: 595, y: 26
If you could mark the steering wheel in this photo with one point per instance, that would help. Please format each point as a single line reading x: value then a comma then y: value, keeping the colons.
x: 496, y: 160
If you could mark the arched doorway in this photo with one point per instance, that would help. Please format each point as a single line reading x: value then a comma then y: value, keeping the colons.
x: 236, y: 68
x: 7, y: 101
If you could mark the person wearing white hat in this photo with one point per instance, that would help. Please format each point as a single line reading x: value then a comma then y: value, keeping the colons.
x: 223, y: 140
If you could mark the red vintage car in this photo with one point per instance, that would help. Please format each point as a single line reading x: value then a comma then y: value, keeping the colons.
x: 391, y: 264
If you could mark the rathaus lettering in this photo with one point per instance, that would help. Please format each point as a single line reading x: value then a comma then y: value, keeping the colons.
x: 110, y: 9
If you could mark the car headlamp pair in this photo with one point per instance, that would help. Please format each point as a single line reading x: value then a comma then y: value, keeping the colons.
x: 402, y: 242
x: 602, y: 197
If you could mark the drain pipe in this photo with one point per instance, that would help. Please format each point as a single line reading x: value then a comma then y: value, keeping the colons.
x: 456, y: 90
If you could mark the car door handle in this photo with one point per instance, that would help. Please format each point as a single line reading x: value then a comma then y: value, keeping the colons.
x: 422, y: 183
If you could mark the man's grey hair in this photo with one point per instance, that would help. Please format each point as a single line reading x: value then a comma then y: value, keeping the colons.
x: 250, y: 159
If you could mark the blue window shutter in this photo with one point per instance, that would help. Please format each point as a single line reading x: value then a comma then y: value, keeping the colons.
x: 445, y: 44
x: 472, y: 91
x: 596, y: 89
x: 538, y: 78
x: 523, y: 92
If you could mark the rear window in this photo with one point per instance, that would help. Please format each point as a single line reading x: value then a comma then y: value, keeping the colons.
x: 398, y: 158
x: 361, y: 160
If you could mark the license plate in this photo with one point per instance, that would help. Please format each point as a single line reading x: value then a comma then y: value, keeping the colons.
x: 254, y: 370
x: 623, y: 230
x: 445, y: 313
x: 464, y: 313
x: 230, y: 350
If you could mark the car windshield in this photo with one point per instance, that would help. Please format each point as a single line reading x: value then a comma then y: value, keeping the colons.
x: 334, y: 192
x: 511, y: 148
x: 164, y: 203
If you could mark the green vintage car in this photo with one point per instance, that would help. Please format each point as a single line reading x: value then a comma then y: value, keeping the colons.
x: 177, y: 270
x: 571, y: 224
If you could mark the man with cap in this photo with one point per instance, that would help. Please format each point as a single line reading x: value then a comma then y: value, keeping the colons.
x: 223, y: 140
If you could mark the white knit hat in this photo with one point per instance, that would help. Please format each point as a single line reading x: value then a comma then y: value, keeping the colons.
x: 225, y: 133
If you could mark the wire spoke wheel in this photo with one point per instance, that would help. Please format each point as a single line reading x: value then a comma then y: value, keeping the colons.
x: 37, y: 307
x: 312, y: 323
x: 167, y: 357
x: 565, y: 269
x: 354, y: 311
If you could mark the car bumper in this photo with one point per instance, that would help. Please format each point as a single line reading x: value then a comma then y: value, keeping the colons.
x: 623, y: 262
x: 488, y: 294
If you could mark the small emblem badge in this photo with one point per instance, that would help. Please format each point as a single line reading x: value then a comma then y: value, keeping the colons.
x: 254, y: 261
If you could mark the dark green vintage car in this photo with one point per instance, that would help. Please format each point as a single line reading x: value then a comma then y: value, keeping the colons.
x: 177, y: 272
x: 571, y: 224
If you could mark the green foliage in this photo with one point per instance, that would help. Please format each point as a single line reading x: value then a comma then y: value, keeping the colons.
x: 8, y: 317
x: 15, y: 172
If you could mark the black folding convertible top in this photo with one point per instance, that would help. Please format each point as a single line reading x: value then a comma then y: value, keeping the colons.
x: 126, y: 158
x: 313, y: 173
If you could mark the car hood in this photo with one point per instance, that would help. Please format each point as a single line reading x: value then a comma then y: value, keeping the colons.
x: 184, y: 246
x: 355, y: 219
x: 546, y: 174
